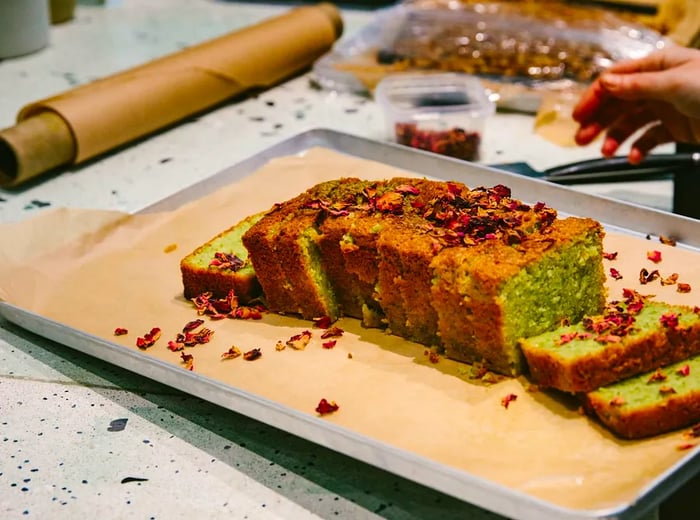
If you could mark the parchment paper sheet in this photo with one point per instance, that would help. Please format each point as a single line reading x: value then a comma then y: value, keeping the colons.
x: 119, y: 273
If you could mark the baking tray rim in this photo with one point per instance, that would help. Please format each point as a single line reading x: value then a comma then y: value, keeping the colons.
x: 460, y: 484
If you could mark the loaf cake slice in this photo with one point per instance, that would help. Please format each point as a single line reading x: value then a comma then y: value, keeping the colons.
x: 489, y: 296
x: 651, y: 403
x: 285, y: 250
x: 632, y: 336
x: 222, y: 264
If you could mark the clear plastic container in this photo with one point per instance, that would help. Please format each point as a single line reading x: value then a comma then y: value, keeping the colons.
x: 440, y: 113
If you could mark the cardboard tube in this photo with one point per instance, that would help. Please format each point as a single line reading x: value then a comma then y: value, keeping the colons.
x: 97, y: 117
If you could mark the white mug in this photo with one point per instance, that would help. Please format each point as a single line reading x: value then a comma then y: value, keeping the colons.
x: 24, y: 27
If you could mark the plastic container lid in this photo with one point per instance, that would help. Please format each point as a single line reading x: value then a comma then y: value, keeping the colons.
x: 427, y: 96
x: 441, y: 113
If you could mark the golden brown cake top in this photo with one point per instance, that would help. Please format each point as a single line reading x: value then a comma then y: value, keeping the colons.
x: 450, y: 211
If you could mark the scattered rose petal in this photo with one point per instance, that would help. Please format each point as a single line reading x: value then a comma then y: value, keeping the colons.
x: 617, y: 401
x: 684, y: 371
x: 299, y: 341
x: 657, y: 376
x: 120, y: 331
x: 253, y: 354
x: 190, y: 326
x: 148, y: 339
x: 323, y: 322
x: 505, y: 401
x: 669, y: 319
x: 610, y: 256
x: 615, y: 274
x: 683, y: 288
x: 645, y: 276
x: 670, y: 280
x: 325, y: 407
x: 654, y: 256
x: 188, y: 360
x: 231, y: 353
x: 329, y: 344
x: 332, y: 332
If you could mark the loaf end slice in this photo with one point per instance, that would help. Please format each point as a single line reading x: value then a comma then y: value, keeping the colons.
x: 651, y: 403
x: 221, y: 265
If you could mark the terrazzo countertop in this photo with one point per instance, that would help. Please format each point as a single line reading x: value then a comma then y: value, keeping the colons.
x: 81, y: 438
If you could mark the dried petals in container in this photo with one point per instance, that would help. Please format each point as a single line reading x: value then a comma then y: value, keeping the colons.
x: 440, y: 113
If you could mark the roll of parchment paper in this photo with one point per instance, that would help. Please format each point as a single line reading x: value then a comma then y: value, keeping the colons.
x: 97, y: 117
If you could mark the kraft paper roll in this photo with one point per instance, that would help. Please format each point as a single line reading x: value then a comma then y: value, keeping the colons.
x: 97, y: 117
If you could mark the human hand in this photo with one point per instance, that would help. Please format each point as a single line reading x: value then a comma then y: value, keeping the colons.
x: 660, y: 93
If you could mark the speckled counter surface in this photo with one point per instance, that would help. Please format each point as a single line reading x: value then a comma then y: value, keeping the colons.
x: 80, y: 438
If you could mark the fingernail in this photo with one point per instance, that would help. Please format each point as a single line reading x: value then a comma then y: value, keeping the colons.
x: 610, y: 80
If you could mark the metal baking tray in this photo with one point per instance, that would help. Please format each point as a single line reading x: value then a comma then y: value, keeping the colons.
x: 614, y: 215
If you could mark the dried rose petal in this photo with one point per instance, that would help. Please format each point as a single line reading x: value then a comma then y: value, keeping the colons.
x: 120, y: 331
x: 669, y: 280
x: 391, y: 202
x: 645, y: 276
x: 687, y: 446
x: 332, y: 332
x: 323, y: 322
x: 654, y: 256
x: 683, y: 288
x: 615, y: 274
x: 299, y: 341
x: 231, y: 353
x: 505, y: 401
x: 433, y: 357
x: 227, y: 261
x: 325, y: 407
x: 684, y: 371
x: 657, y: 376
x: 175, y: 346
x: 190, y: 326
x: 665, y: 390
x: 188, y: 360
x: 329, y: 344
x: 148, y: 339
x: 253, y: 354
x: 566, y: 338
x: 279, y: 346
x: 407, y: 188
x: 610, y: 256
x: 669, y: 319
x: 617, y: 401
x: 669, y: 241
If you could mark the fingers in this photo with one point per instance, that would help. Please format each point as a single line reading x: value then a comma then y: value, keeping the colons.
x: 640, y: 85
x: 605, y: 116
x: 623, y: 128
x: 654, y: 136
x: 667, y: 58
x: 589, y: 102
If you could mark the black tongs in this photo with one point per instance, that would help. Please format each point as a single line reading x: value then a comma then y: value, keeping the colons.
x: 614, y: 169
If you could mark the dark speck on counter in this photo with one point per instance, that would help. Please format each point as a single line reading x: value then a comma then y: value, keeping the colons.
x: 117, y: 425
x: 165, y: 160
x: 126, y: 480
x: 37, y: 204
